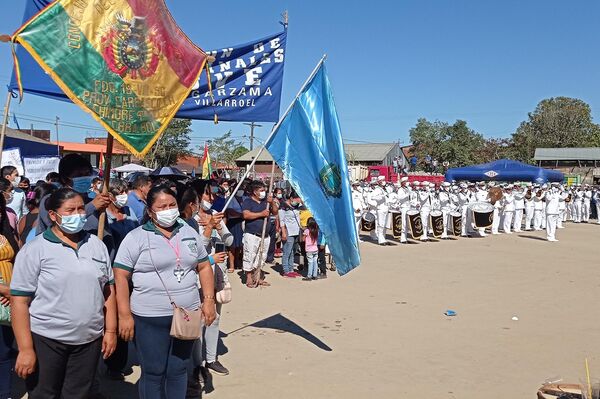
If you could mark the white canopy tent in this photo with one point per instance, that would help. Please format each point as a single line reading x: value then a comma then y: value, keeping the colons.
x: 131, y: 167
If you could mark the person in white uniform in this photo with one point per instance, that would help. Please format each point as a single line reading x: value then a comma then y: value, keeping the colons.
x: 358, y: 205
x: 481, y: 195
x: 404, y: 194
x: 378, y: 203
x: 508, y: 202
x: 586, y: 204
x: 529, y: 206
x: 597, y: 199
x: 538, y: 207
x: 519, y: 193
x: 553, y: 199
x: 462, y: 200
x: 424, y: 198
x: 445, y: 206
x: 577, y: 204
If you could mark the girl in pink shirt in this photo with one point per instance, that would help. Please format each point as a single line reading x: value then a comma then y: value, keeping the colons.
x: 311, y: 236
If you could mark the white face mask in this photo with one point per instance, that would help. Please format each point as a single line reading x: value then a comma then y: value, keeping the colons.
x: 262, y: 195
x: 120, y: 200
x: 167, y: 218
x: 206, y: 205
x: 16, y: 182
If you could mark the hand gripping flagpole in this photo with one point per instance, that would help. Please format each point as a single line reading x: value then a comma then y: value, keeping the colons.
x: 274, y: 130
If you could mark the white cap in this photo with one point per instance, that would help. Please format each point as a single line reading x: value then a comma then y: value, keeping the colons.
x: 529, y: 184
x: 380, y: 178
x: 544, y: 185
x: 431, y: 185
x: 492, y: 184
x: 463, y: 185
x: 403, y: 179
x: 446, y: 184
x: 416, y: 183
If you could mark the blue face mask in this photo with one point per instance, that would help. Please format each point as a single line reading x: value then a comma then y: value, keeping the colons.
x: 82, y: 184
x: 72, y: 224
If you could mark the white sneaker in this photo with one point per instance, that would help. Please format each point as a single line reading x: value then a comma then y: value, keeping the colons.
x: 552, y: 239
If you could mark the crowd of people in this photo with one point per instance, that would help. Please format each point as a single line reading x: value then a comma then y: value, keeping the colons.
x: 77, y: 301
x: 468, y: 209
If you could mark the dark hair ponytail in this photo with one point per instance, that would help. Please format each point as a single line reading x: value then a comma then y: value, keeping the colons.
x: 313, y: 228
x: 5, y: 228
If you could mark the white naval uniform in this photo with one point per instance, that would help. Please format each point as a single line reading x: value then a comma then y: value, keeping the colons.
x: 538, y: 203
x: 446, y: 208
x: 519, y: 207
x: 586, y: 206
x: 424, y: 198
x: 508, y: 201
x: 404, y: 194
x: 496, y: 216
x: 463, y: 199
x: 359, y: 207
x: 481, y: 196
x: 529, y: 211
x: 553, y: 199
x: 577, y: 205
x: 378, y: 203
x: 597, y: 199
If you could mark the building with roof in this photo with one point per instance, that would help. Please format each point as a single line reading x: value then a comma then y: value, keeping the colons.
x: 578, y: 164
x: 95, y: 153
x: 29, y: 146
x: 356, y: 154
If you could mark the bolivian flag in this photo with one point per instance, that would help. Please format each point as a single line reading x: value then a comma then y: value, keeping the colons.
x: 126, y: 62
x: 206, y: 166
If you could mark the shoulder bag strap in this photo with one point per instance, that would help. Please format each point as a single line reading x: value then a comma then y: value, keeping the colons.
x: 159, y: 276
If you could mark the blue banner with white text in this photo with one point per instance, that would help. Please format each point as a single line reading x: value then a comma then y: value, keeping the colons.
x: 246, y: 79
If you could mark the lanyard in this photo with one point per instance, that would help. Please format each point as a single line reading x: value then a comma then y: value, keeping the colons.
x: 178, y: 272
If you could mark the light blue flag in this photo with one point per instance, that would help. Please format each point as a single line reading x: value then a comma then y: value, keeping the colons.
x: 308, y: 147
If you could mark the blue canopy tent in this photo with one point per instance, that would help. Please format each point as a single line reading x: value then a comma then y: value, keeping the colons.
x: 504, y: 170
x: 28, y: 145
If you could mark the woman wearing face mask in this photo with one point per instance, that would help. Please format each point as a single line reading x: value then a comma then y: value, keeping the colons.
x: 63, y: 304
x: 121, y: 220
x: 164, y: 250
x: 213, y: 232
x: 7, y: 190
x: 235, y: 218
x: 17, y: 199
x: 28, y: 223
x: 8, y: 250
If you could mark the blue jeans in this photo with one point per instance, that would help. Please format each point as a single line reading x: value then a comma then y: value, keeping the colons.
x: 287, y: 259
x: 163, y: 359
x: 312, y: 258
x: 6, y: 360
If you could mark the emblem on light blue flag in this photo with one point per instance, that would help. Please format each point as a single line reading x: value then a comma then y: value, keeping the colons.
x: 330, y: 178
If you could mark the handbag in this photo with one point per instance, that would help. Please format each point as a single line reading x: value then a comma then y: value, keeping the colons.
x: 4, y: 311
x: 186, y: 324
x: 222, y: 286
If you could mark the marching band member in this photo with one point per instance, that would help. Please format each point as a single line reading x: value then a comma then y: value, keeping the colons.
x: 445, y: 206
x: 529, y: 207
x: 577, y: 204
x: 562, y: 205
x: 462, y: 200
x: 538, y: 207
x: 358, y: 205
x: 481, y: 195
x: 508, y: 202
x: 378, y: 202
x: 497, y: 203
x: 586, y: 204
x: 519, y: 207
x: 597, y: 199
x: 424, y: 198
x: 404, y: 194
x: 553, y: 198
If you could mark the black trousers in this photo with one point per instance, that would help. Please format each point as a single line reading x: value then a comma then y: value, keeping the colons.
x: 321, y: 260
x: 118, y: 360
x: 62, y: 370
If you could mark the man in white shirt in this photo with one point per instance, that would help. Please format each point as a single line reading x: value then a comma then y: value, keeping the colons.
x: 379, y: 204
x: 553, y: 198
x: 445, y: 206
x: 424, y: 200
x: 508, y: 202
x: 404, y: 193
x: 529, y: 206
x: 481, y: 195
x: 519, y: 208
x: 577, y: 204
x: 358, y: 205
x: 586, y: 204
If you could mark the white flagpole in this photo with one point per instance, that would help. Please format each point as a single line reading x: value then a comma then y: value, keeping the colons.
x: 274, y: 130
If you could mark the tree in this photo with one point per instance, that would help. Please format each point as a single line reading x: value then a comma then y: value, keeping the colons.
x: 555, y: 122
x: 226, y: 150
x: 494, y: 149
x: 458, y: 144
x: 172, y: 145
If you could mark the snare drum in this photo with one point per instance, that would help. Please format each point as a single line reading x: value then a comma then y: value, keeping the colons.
x: 368, y: 221
x: 415, y: 223
x: 483, y: 214
x: 437, y: 222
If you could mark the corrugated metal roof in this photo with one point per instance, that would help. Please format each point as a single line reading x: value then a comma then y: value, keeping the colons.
x: 24, y: 136
x: 355, y: 152
x: 567, y: 154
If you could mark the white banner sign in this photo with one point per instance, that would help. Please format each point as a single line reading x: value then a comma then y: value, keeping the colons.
x: 12, y: 157
x: 37, y: 168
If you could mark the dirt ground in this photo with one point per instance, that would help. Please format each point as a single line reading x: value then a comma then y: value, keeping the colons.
x: 381, y: 331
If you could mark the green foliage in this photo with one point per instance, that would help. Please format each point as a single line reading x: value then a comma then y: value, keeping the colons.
x: 226, y: 150
x: 172, y: 145
x: 555, y: 122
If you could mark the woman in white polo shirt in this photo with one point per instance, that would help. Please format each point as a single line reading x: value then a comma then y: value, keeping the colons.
x: 63, y: 303
x: 167, y: 245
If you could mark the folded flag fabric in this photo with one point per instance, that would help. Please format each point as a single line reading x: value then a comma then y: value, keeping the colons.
x: 206, y: 166
x: 308, y: 147
x: 126, y: 62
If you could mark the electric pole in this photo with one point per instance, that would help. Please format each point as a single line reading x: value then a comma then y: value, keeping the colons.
x: 252, y: 126
x: 57, y: 141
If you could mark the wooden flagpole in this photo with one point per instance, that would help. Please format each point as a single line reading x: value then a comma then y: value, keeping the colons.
x: 258, y: 272
x: 273, y: 131
x: 107, y: 168
x: 4, y: 123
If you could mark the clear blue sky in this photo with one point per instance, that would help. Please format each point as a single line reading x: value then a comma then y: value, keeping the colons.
x: 391, y: 62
